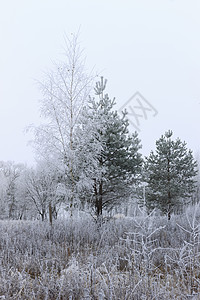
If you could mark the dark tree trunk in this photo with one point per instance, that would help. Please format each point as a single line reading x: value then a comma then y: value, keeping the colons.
x: 42, y: 215
x: 50, y: 213
x: 169, y: 215
x: 169, y: 206
x: 98, y: 198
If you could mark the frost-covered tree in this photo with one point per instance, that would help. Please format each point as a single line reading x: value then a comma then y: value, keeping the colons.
x: 170, y: 173
x: 118, y: 160
x: 196, y: 194
x: 89, y: 148
x: 65, y: 92
x: 13, y: 204
x: 42, y: 191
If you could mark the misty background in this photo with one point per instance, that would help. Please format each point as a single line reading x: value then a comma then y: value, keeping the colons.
x: 150, y: 47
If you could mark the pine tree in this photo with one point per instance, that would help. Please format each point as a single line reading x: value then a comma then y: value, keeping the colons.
x: 170, y: 174
x: 119, y: 162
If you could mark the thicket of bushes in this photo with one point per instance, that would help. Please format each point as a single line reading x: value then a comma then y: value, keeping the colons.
x: 144, y: 257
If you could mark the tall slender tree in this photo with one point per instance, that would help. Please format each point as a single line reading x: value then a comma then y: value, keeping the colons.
x: 65, y: 91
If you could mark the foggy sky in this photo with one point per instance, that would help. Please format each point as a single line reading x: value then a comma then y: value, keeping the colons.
x: 146, y: 46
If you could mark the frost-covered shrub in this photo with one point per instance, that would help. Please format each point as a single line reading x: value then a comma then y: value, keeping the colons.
x: 144, y: 257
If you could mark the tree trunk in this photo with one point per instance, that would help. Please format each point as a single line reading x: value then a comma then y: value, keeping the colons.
x: 169, y: 206
x: 169, y: 192
x: 169, y: 215
x: 98, y: 197
x: 50, y: 213
x: 42, y: 215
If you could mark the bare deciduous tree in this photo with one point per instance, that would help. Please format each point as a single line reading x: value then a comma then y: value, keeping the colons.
x: 65, y: 91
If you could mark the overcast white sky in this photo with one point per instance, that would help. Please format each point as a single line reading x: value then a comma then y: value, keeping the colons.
x: 150, y: 46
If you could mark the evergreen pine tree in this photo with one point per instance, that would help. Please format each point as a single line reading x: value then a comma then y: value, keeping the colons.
x: 119, y: 162
x: 170, y: 174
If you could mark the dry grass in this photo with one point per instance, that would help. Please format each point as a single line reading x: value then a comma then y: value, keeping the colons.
x: 142, y: 258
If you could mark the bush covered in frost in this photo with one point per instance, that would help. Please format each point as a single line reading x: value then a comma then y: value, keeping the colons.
x: 145, y: 257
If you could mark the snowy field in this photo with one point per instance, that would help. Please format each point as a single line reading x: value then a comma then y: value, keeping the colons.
x: 144, y: 257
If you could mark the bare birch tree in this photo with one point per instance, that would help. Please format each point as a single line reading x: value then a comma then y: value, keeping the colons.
x: 65, y: 92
